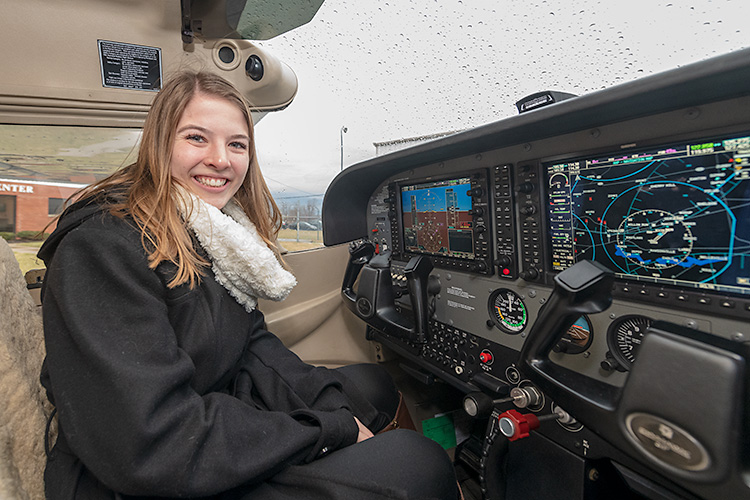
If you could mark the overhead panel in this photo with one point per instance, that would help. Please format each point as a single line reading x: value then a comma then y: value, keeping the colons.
x: 72, y: 64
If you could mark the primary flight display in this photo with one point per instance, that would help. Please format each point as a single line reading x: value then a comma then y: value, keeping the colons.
x: 436, y: 218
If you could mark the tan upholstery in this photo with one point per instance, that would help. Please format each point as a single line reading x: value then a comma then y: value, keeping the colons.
x: 23, y: 404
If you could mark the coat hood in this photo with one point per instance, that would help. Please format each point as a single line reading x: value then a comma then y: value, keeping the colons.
x: 71, y: 218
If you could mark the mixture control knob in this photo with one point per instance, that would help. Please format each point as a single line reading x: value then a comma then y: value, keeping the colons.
x: 514, y: 425
x: 485, y: 357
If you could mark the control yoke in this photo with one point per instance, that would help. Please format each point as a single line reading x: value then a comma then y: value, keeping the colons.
x: 374, y: 299
x: 659, y: 415
x: 585, y: 288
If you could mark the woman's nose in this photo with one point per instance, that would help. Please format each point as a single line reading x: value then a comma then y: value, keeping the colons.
x: 218, y: 157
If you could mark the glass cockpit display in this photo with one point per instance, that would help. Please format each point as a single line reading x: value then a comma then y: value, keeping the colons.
x: 675, y: 215
x: 436, y: 218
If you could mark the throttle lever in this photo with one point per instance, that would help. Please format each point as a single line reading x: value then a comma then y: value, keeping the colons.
x: 480, y: 405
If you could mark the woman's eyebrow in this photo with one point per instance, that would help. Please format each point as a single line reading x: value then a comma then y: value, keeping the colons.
x: 240, y: 136
x: 192, y: 127
x: 206, y: 131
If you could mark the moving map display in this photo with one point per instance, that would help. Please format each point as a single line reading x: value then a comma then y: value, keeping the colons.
x: 436, y: 218
x: 677, y: 215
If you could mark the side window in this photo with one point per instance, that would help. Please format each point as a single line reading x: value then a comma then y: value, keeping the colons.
x: 41, y: 167
x: 301, y: 228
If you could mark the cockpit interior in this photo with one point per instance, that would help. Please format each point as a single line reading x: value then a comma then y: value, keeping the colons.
x: 569, y: 287
x: 580, y: 273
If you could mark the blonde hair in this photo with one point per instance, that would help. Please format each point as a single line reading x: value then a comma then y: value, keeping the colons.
x: 148, y: 184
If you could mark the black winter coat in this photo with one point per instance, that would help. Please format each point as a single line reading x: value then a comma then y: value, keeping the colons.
x: 169, y: 392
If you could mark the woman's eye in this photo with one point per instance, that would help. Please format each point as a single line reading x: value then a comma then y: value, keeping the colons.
x: 195, y: 137
x: 238, y: 145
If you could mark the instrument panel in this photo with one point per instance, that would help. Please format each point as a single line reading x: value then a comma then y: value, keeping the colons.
x: 672, y: 220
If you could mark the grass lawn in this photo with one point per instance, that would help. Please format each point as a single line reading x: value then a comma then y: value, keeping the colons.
x: 296, y: 246
x: 25, y: 252
x: 291, y: 234
x: 307, y: 239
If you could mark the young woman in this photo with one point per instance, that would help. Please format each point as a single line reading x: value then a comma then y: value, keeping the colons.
x: 165, y: 381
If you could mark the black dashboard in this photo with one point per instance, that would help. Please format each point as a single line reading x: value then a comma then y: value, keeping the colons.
x: 651, y: 179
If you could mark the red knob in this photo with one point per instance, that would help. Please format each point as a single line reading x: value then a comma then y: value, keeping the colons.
x: 485, y: 357
x: 514, y: 425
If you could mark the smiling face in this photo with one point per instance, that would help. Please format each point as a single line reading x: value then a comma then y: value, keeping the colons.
x: 211, y: 150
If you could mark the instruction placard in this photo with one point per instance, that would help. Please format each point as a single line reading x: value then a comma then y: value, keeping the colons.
x: 129, y: 66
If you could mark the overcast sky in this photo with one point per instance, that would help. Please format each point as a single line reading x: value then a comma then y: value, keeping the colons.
x: 394, y: 69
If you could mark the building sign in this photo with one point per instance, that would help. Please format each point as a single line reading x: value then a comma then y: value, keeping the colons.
x: 16, y: 188
x: 128, y: 66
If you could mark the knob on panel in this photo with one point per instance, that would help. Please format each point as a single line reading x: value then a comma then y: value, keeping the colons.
x: 529, y: 274
x: 478, y: 404
x: 515, y: 425
x: 504, y: 260
x: 525, y: 187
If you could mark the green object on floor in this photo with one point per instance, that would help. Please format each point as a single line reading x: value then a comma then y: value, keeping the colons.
x: 441, y: 430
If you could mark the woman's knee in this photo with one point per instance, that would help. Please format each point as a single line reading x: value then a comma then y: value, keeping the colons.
x: 421, y: 463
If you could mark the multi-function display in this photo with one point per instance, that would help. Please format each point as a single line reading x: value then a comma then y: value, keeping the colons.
x: 674, y: 215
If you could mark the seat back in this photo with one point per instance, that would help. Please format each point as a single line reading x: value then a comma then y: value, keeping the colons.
x: 23, y: 404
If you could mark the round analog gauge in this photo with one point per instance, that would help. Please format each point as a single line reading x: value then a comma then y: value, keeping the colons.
x: 625, y: 336
x: 508, y: 311
x: 578, y: 338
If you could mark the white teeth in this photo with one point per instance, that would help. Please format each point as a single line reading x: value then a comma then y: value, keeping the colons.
x: 208, y: 181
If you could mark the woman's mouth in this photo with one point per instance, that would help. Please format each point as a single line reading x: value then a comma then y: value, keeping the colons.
x: 211, y: 181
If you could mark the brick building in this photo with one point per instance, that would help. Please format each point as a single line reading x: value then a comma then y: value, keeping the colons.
x: 28, y: 205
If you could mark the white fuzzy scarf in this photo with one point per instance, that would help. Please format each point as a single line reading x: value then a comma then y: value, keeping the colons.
x: 242, y: 262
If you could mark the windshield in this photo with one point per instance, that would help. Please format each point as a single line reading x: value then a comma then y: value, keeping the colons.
x: 393, y: 73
